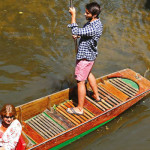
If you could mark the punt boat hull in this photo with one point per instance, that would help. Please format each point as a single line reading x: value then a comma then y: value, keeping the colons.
x: 117, y: 96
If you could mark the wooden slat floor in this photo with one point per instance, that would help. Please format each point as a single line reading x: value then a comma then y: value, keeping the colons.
x: 50, y: 123
x: 45, y: 126
x: 124, y: 87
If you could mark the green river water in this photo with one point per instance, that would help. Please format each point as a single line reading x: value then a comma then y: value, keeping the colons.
x: 37, y: 58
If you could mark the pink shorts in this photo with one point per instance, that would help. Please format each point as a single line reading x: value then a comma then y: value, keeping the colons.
x: 83, y: 69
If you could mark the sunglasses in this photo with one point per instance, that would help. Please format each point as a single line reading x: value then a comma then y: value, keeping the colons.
x: 8, y: 117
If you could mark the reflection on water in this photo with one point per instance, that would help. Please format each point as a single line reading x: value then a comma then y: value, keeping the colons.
x: 37, y: 52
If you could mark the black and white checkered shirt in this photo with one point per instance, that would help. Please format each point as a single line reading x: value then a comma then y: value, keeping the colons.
x: 90, y: 34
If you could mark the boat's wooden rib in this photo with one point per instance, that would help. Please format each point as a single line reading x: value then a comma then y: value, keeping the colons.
x: 40, y: 129
x: 65, y: 123
x: 29, y: 142
x: 122, y: 88
x: 32, y: 134
x: 114, y: 91
x: 53, y: 128
x: 106, y: 103
x: 92, y: 108
x: 68, y: 116
x: 128, y: 86
x: 109, y: 102
x: 65, y: 106
x: 103, y: 105
x: 96, y: 104
x: 82, y: 117
x: 114, y: 99
x: 46, y: 127
x: 88, y: 113
x: 105, y: 98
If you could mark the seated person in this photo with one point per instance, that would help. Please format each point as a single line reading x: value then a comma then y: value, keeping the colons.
x: 10, y: 128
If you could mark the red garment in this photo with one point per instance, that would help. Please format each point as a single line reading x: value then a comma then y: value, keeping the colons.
x: 1, y: 134
x: 21, y: 144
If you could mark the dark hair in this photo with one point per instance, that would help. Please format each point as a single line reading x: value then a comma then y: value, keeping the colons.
x: 94, y: 8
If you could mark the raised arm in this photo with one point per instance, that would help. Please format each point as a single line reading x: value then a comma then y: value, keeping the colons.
x: 87, y: 31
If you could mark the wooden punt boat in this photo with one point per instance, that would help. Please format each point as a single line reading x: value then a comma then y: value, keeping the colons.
x: 46, y: 127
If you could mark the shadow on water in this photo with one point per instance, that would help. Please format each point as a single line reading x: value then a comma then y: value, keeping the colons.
x: 147, y: 4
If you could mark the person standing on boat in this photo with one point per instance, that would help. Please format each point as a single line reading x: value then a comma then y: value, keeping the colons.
x: 87, y: 52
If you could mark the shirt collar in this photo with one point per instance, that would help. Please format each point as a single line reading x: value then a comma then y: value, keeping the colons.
x: 93, y: 22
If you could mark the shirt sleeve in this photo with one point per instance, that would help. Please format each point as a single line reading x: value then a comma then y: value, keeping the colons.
x: 12, y: 136
x: 72, y: 25
x: 85, y: 31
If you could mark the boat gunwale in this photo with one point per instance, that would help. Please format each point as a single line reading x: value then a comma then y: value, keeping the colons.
x: 66, y: 131
x: 42, y: 97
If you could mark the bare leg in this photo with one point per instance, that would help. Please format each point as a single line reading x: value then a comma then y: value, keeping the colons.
x: 81, y: 97
x: 92, y: 82
x: 81, y: 94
